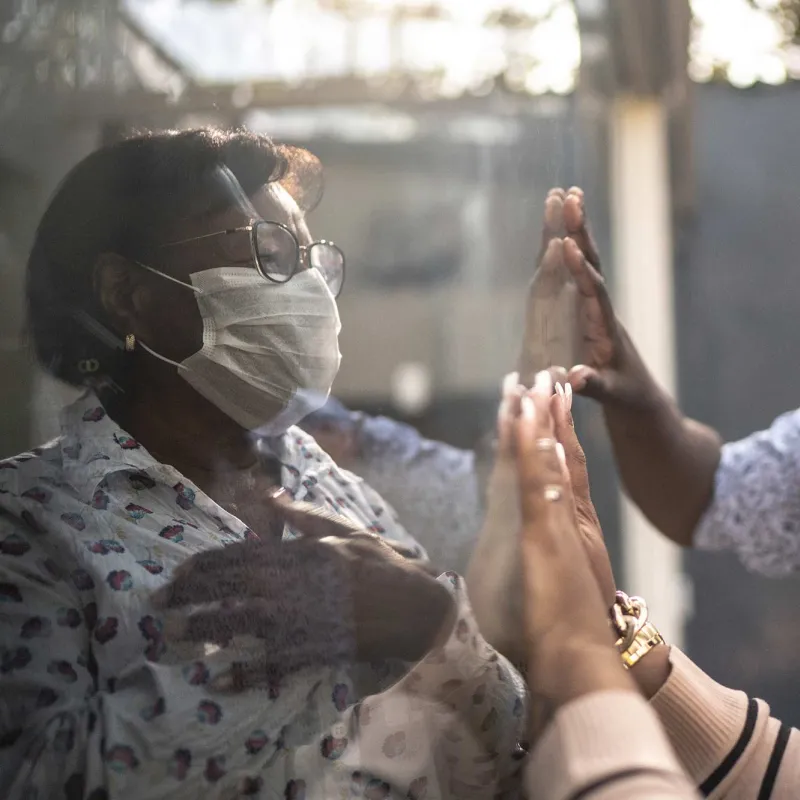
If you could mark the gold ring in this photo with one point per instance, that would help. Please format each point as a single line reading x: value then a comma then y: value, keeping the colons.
x: 545, y: 445
x: 553, y: 493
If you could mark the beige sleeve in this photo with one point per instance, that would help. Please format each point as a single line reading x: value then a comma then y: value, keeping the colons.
x: 606, y: 746
x: 726, y: 742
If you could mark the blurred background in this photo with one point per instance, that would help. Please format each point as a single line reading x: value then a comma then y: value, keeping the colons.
x: 441, y: 125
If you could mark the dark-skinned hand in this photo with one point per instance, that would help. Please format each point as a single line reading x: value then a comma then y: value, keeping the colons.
x: 551, y: 333
x: 599, y: 361
x: 334, y: 594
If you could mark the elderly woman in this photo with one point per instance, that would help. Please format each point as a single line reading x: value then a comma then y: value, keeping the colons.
x: 174, y: 624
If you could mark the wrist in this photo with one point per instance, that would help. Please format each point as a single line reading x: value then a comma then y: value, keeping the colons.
x: 652, y: 672
x: 640, y: 392
x: 641, y: 647
x: 570, y: 669
x: 638, y: 416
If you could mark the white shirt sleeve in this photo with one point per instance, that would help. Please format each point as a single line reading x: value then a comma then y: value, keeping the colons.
x: 755, y: 511
x: 432, y: 486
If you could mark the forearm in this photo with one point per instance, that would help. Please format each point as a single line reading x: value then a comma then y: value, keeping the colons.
x: 726, y: 742
x: 567, y: 671
x: 571, y: 650
x: 667, y: 462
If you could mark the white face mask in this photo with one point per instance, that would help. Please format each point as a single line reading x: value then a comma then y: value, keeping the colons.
x: 265, y: 346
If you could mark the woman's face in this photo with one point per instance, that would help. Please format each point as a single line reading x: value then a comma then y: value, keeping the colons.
x: 167, y: 317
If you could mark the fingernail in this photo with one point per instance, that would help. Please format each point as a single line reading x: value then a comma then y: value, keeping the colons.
x: 510, y: 382
x: 543, y: 382
x: 562, y: 456
x: 528, y: 408
x: 568, y: 393
x: 560, y: 391
x: 502, y: 410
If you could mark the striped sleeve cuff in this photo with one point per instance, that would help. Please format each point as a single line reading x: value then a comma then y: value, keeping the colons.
x: 685, y: 705
x: 595, y: 738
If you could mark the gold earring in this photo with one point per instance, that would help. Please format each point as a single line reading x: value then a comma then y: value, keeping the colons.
x: 130, y: 343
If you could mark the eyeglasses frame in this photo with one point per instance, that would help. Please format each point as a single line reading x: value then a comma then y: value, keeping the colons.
x: 303, y: 251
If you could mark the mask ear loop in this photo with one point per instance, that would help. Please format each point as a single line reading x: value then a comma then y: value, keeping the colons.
x: 159, y: 356
x: 168, y: 277
x: 223, y: 176
x: 180, y: 283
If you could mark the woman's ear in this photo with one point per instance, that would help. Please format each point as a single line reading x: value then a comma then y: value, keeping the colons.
x: 118, y: 287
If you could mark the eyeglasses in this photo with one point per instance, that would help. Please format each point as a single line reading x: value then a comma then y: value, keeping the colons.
x: 278, y: 255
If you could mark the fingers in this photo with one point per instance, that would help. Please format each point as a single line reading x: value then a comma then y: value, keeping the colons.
x: 371, y: 547
x: 577, y: 227
x: 589, y: 281
x: 564, y: 212
x: 190, y: 587
x: 575, y: 458
x: 588, y: 382
x: 507, y: 412
x: 552, y: 258
x: 558, y: 375
x: 254, y: 617
x: 213, y: 574
x: 587, y: 278
x: 244, y: 569
x: 542, y: 485
x: 311, y: 520
x: 289, y: 644
x: 553, y: 223
x: 260, y: 673
x: 579, y: 376
x: 317, y: 522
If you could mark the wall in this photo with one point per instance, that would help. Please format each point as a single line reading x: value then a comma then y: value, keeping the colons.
x: 738, y: 296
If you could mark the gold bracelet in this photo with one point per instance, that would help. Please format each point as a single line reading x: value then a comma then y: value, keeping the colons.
x: 636, y: 635
x: 645, y: 640
x: 626, y: 617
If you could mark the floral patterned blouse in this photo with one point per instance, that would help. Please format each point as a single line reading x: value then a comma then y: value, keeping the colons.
x: 755, y: 511
x: 93, y: 704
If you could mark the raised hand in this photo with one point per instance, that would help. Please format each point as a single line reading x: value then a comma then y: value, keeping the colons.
x: 608, y: 366
x: 335, y: 594
x: 570, y: 645
x: 585, y: 512
x: 551, y: 334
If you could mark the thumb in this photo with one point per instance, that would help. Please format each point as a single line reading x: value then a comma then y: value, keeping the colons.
x: 316, y: 522
x: 589, y: 382
x: 310, y: 520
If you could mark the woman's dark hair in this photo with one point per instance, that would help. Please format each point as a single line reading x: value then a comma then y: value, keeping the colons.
x: 124, y: 199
